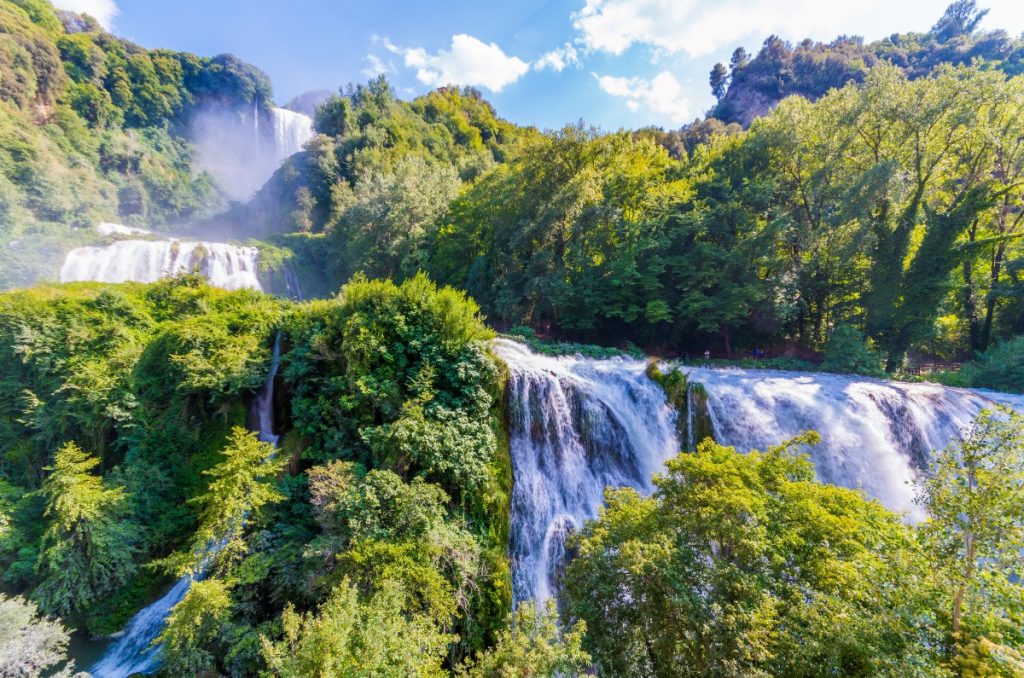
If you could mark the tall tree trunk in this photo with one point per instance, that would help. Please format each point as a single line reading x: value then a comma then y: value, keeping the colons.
x: 990, y: 301
x: 970, y: 307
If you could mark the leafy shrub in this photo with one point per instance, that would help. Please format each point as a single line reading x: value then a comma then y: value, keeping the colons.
x: 1001, y: 368
x: 848, y: 352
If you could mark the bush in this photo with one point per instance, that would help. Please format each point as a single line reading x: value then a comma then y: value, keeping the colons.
x: 1000, y: 368
x: 848, y: 352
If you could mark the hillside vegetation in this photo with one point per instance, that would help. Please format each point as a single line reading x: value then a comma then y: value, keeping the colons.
x: 93, y: 128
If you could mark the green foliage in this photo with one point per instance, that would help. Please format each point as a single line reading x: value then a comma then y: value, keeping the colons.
x: 984, y: 657
x: 379, y: 636
x: 383, y: 221
x: 406, y: 352
x: 379, y: 173
x: 532, y: 644
x: 156, y: 378
x: 975, y: 529
x: 569, y: 228
x: 240, y: 485
x: 847, y: 351
x: 86, y: 551
x: 193, y: 624
x: 29, y: 645
x: 110, y: 367
x: 753, y: 562
x: 1000, y: 368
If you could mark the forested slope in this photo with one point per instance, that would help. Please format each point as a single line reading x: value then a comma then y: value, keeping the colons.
x: 751, y: 85
x: 395, y: 476
x: 93, y: 128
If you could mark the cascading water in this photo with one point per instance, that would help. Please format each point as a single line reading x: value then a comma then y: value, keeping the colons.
x: 229, y: 266
x: 134, y: 652
x: 291, y: 132
x: 875, y: 435
x: 575, y: 426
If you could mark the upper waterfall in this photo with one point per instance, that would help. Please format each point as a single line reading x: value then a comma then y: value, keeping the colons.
x: 228, y: 266
x: 291, y: 132
x: 241, y: 150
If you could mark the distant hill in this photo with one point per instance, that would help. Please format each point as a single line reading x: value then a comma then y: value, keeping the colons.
x: 307, y: 102
x: 749, y: 87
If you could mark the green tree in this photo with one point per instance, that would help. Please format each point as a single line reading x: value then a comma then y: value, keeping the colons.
x: 975, y: 529
x: 719, y: 80
x: 960, y: 18
x: 741, y: 564
x: 349, y: 637
x: 194, y: 626
x: 847, y: 351
x: 87, y: 549
x: 532, y: 646
x: 240, y: 485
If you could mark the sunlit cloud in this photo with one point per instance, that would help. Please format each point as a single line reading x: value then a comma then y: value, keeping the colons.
x: 468, y: 61
x: 558, y: 59
x: 661, y: 98
x: 103, y: 11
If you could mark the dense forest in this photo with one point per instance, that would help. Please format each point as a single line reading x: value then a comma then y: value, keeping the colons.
x: 850, y: 207
x: 889, y: 203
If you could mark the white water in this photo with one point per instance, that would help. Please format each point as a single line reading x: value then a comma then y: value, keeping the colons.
x: 229, y: 266
x: 875, y: 435
x: 291, y: 132
x: 134, y: 652
x: 241, y: 152
x: 576, y: 426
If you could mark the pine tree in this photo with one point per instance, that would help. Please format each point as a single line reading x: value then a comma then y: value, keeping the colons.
x: 88, y: 547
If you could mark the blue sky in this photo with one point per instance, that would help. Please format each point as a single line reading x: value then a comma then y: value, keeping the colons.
x: 612, y: 63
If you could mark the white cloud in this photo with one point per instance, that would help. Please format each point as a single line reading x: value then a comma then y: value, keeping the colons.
x: 103, y: 11
x: 700, y: 27
x: 377, y: 66
x: 662, y: 96
x: 558, y: 59
x: 468, y: 62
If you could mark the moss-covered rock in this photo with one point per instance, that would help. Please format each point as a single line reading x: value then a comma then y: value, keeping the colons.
x: 690, y: 400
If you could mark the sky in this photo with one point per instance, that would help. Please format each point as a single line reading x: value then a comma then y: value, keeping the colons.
x: 612, y: 63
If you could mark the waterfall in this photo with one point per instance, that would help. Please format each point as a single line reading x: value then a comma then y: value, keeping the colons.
x: 263, y: 404
x: 241, y: 151
x: 875, y: 435
x: 575, y: 427
x: 291, y: 132
x: 229, y: 266
x: 134, y: 652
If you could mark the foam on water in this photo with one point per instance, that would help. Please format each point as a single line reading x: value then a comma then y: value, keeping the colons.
x: 229, y: 266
